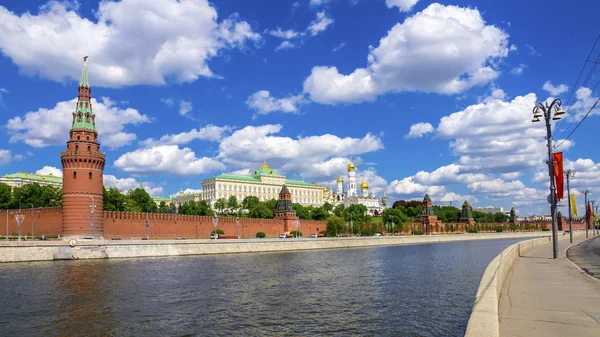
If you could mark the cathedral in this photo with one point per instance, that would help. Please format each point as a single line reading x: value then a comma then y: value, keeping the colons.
x: 350, y: 195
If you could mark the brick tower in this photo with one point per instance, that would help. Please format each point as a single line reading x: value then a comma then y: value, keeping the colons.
x: 466, y: 214
x: 83, y: 164
x: 428, y: 217
x: 285, y: 210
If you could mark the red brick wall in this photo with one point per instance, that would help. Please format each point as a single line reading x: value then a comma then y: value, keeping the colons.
x: 46, y: 221
x: 126, y: 225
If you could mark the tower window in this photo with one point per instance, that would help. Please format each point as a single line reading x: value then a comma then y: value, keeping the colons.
x: 74, y: 175
x: 89, y: 148
x: 88, y: 137
x: 78, y: 138
x: 90, y: 175
x: 76, y: 147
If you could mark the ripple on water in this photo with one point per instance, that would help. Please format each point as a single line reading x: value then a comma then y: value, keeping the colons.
x: 417, y: 290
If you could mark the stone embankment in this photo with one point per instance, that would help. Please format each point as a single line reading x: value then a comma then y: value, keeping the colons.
x: 484, y: 320
x: 108, y: 249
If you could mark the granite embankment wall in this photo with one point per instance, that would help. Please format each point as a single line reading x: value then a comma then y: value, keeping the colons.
x: 60, y: 250
x: 484, y: 320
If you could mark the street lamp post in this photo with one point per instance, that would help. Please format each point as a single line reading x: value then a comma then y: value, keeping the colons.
x: 215, y: 220
x: 147, y: 224
x: 237, y: 222
x: 32, y: 224
x: 570, y: 173
x: 92, y: 209
x: 545, y: 110
x: 19, y: 222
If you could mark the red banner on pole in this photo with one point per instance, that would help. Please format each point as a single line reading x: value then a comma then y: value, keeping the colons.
x: 590, y: 215
x: 559, y: 175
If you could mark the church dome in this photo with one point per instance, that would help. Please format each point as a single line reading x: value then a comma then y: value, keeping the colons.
x: 351, y: 166
x: 265, y: 166
x: 364, y: 185
x: 340, y: 180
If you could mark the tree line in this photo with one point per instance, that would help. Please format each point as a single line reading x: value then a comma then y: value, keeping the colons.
x: 30, y: 195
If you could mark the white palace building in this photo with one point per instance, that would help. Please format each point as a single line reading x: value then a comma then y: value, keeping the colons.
x: 265, y: 184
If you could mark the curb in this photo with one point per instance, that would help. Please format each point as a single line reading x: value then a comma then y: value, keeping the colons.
x: 575, y: 265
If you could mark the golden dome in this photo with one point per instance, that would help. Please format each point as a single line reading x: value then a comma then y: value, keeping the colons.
x: 351, y: 166
x: 181, y: 192
x: 364, y: 185
x: 265, y: 166
x: 340, y: 180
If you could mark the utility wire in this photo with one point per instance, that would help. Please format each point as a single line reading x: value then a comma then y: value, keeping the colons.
x: 581, y: 121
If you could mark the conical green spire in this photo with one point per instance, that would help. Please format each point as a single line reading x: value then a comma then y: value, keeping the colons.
x: 83, y: 117
x: 84, y: 76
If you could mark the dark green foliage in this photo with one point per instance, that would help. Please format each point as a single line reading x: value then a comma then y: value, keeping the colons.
x: 335, y: 225
x: 260, y: 235
x: 29, y: 195
x: 196, y: 208
x: 219, y: 231
x: 260, y: 211
x: 418, y: 232
x: 296, y: 233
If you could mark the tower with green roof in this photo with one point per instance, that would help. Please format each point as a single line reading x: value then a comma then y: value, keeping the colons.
x: 466, y: 214
x: 83, y: 166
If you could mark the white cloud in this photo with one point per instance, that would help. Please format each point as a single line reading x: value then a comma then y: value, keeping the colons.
x: 130, y: 42
x: 263, y: 103
x: 316, y: 3
x: 209, y: 132
x: 584, y: 101
x: 6, y: 157
x: 50, y: 170
x: 46, y: 127
x: 166, y: 159
x: 317, y: 157
x: 184, y: 107
x: 532, y: 50
x: 170, y: 102
x: 446, y: 175
x: 409, y: 189
x: 455, y: 52
x: 319, y: 24
x: 555, y: 90
x: 126, y: 184
x: 419, y: 130
x: 511, y: 175
x: 338, y: 47
x: 518, y: 70
x: 285, y: 45
x: 403, y: 5
x: 4, y: 90
x: 285, y: 34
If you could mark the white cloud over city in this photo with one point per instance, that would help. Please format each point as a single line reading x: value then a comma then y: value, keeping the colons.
x: 164, y: 41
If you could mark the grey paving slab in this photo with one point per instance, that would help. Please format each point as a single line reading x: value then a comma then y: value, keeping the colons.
x: 547, y: 297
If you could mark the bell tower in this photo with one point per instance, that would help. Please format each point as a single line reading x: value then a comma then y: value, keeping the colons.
x: 83, y: 166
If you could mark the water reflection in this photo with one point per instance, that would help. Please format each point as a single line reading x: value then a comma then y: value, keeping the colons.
x: 419, y: 290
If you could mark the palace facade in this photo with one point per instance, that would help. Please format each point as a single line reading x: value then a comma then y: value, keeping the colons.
x: 350, y: 196
x: 21, y: 178
x: 265, y: 184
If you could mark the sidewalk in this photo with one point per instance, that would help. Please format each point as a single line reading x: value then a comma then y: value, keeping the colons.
x: 547, y: 297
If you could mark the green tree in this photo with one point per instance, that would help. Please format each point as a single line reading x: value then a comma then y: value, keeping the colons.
x: 260, y: 211
x: 138, y: 200
x: 220, y: 205
x: 233, y: 204
x: 272, y: 205
x: 249, y: 202
x: 319, y: 213
x: 395, y: 216
x: 114, y: 200
x: 335, y: 225
x: 327, y: 207
x: 5, y: 196
x: 500, y: 217
x: 339, y: 210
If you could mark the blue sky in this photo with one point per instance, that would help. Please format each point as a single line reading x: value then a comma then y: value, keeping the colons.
x: 424, y: 96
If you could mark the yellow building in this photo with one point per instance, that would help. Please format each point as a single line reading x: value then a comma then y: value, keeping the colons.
x: 264, y: 184
x: 21, y: 178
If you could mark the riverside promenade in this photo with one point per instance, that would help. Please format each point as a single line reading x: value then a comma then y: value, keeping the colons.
x: 546, y: 297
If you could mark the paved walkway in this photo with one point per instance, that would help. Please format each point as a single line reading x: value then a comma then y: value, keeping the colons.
x: 547, y: 297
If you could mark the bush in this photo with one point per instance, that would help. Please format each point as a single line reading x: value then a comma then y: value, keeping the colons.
x: 499, y: 230
x: 260, y: 235
x: 296, y: 233
x: 323, y: 232
x: 472, y: 231
x: 219, y: 231
x: 418, y: 232
x: 545, y: 229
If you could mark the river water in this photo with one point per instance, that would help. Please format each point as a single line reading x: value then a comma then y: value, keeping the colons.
x: 416, y: 290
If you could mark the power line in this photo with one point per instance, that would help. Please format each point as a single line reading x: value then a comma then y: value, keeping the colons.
x: 584, y: 117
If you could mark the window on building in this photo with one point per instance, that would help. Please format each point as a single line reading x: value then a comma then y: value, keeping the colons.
x: 88, y: 137
x: 78, y: 138
x: 76, y: 147
x: 90, y: 175
x: 74, y: 175
x: 89, y: 148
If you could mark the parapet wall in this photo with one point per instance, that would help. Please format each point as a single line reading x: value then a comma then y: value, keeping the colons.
x: 127, y: 225
x: 46, y: 221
